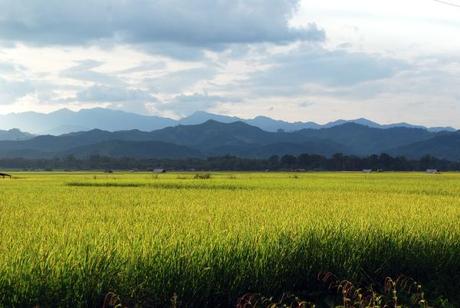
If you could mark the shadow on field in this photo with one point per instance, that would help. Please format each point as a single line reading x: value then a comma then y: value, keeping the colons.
x: 163, y: 185
x: 341, y: 293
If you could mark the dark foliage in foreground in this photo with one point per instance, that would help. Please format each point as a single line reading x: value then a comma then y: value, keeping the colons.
x: 307, y: 162
x: 400, y: 292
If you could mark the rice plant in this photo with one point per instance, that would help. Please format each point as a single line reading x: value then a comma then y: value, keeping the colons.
x: 69, y: 239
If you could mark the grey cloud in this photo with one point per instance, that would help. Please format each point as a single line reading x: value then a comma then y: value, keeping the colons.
x: 427, y: 81
x: 87, y: 65
x: 174, y: 50
x: 184, y: 105
x: 311, y: 65
x: 181, y: 80
x: 11, y: 90
x: 7, y: 67
x: 83, y: 71
x: 145, y: 67
x: 204, y: 23
x: 113, y: 94
x: 136, y: 107
x: 121, y: 98
x: 306, y: 104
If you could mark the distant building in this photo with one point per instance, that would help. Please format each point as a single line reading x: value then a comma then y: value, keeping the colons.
x: 5, y: 175
x: 159, y: 170
x: 367, y: 170
x: 432, y: 171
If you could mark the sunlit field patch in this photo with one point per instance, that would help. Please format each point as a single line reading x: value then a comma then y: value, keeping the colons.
x: 68, y: 239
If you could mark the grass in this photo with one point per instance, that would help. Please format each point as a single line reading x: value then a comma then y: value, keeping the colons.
x: 69, y: 239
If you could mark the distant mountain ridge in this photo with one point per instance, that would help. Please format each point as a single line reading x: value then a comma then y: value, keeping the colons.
x: 14, y: 134
x: 271, y: 125
x: 214, y: 138
x: 443, y: 146
x: 65, y: 121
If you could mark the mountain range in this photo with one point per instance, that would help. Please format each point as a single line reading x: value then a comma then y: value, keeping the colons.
x: 213, y: 138
x: 66, y: 121
x: 14, y: 134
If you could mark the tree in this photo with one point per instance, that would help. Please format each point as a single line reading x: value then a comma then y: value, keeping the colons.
x: 289, y: 160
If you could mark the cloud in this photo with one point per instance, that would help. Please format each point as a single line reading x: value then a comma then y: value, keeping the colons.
x: 7, y: 67
x: 121, y: 98
x: 289, y: 73
x: 113, y: 94
x: 184, y: 105
x: 180, y: 81
x: 11, y: 90
x: 203, y: 23
x: 176, y: 51
x: 84, y: 71
x: 423, y: 78
x: 145, y: 67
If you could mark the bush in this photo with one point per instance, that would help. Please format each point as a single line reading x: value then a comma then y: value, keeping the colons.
x: 202, y: 176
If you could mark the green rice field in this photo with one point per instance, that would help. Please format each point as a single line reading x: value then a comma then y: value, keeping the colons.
x: 69, y: 239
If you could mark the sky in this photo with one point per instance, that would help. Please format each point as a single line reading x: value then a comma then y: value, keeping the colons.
x: 297, y: 60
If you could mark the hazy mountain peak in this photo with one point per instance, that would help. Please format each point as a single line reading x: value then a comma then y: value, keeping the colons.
x: 14, y: 134
x: 262, y: 117
x: 201, y: 113
x: 65, y: 121
x: 202, y: 116
x: 63, y: 111
x: 364, y: 121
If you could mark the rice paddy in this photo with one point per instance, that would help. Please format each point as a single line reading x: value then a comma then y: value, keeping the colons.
x: 69, y: 239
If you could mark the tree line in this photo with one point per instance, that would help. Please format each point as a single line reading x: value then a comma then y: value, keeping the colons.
x: 307, y: 162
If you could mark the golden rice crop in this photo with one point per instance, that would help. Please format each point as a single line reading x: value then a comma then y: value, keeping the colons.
x: 68, y: 239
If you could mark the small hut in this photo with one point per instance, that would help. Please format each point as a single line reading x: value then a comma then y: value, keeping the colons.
x: 5, y: 175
